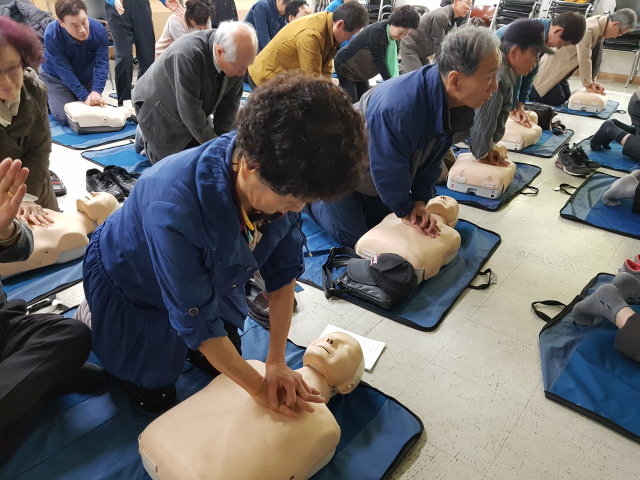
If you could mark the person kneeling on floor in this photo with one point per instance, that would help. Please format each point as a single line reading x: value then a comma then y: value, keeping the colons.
x: 626, y: 135
x: 37, y: 351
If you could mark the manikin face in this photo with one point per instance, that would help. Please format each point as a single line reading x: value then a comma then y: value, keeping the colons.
x: 97, y: 205
x: 340, y: 34
x: 523, y: 61
x: 554, y: 40
x: 446, y: 207
x: 398, y: 33
x: 303, y: 11
x: 475, y: 90
x: 76, y: 25
x: 461, y: 8
x: 11, y: 74
x: 337, y: 356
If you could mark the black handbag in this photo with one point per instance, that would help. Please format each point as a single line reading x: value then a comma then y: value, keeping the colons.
x: 344, y: 285
x: 546, y: 115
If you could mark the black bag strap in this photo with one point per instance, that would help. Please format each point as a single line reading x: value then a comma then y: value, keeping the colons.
x: 485, y: 285
x: 548, y: 303
x: 534, y: 191
x: 563, y: 187
x: 328, y: 284
x: 621, y: 111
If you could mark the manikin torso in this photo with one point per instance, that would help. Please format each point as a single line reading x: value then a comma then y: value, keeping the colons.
x: 427, y: 255
x: 582, y: 100
x: 98, y: 115
x: 482, y: 174
x: 66, y: 239
x: 222, y: 433
x: 517, y: 136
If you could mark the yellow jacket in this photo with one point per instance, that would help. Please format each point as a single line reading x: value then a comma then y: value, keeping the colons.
x: 306, y: 44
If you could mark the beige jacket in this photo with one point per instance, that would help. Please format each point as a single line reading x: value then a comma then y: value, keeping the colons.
x: 554, y: 68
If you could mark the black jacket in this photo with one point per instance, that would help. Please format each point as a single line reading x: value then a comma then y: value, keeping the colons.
x: 27, y: 13
x: 364, y: 57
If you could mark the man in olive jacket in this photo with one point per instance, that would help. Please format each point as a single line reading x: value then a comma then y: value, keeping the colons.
x: 199, y: 75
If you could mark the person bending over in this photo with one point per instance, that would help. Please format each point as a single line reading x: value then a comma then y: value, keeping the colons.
x: 374, y: 51
x: 165, y: 274
x: 426, y: 40
x: 37, y: 351
x: 521, y: 47
x: 412, y: 119
x: 566, y: 29
x: 296, y: 9
x: 197, y: 17
x: 76, y: 59
x: 268, y: 17
x: 626, y: 135
x: 199, y: 75
x: 24, y: 120
x: 551, y: 85
x: 309, y: 44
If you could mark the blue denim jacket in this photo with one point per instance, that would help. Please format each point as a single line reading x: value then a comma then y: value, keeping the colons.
x: 19, y: 251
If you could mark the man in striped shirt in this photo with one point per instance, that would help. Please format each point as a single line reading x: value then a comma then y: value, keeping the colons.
x: 521, y: 47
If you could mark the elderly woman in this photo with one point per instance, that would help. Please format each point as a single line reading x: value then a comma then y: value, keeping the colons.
x: 551, y: 84
x: 197, y: 17
x: 24, y: 121
x: 164, y: 276
x: 374, y: 51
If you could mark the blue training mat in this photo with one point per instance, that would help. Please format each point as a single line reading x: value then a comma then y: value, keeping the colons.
x: 433, y: 299
x: 124, y: 156
x: 31, y: 285
x: 81, y: 436
x: 548, y: 145
x: 609, y: 110
x: 613, y: 159
x: 67, y: 137
x: 586, y: 206
x: 525, y: 173
x: 582, y: 370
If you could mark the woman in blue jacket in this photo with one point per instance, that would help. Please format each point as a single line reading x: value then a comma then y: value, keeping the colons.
x: 164, y: 276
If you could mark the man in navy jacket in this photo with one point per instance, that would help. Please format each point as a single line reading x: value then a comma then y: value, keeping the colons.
x: 411, y: 121
x: 268, y: 18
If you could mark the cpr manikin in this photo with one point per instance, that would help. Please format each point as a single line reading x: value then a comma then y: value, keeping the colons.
x: 519, y: 137
x: 471, y: 176
x: 66, y: 238
x: 221, y: 433
x: 584, y: 101
x: 427, y: 255
x: 98, y: 118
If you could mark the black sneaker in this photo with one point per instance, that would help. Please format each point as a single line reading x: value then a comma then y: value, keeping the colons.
x: 585, y: 158
x: 121, y: 177
x: 58, y: 187
x: 570, y: 162
x: 99, y: 182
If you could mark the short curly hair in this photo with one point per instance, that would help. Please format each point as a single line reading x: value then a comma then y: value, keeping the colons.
x: 404, y: 17
x: 24, y: 39
x: 304, y: 136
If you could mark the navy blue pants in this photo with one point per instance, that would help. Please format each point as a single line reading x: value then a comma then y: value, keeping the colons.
x: 59, y: 95
x: 349, y: 219
x: 556, y: 96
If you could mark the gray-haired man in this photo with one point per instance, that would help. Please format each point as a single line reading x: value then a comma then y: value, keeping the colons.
x: 197, y: 75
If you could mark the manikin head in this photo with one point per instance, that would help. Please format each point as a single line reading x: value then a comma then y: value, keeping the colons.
x: 446, y: 207
x: 339, y: 358
x: 72, y: 16
x: 296, y: 9
x: 566, y: 29
x: 461, y: 8
x: 468, y: 63
x: 620, y: 22
x: 348, y: 19
x: 402, y: 20
x: 235, y: 47
x: 97, y: 206
x: 278, y: 172
x: 20, y: 47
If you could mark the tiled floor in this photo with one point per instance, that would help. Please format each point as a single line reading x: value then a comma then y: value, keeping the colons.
x: 475, y: 382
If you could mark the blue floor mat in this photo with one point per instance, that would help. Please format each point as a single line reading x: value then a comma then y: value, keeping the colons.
x: 124, y: 156
x: 582, y: 370
x: 31, y: 285
x: 586, y: 206
x: 609, y: 110
x: 433, y: 299
x: 77, y: 437
x: 525, y: 173
x: 67, y: 137
x: 613, y: 159
x: 549, y: 144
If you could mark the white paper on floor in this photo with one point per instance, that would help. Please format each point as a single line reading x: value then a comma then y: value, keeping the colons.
x: 372, y: 349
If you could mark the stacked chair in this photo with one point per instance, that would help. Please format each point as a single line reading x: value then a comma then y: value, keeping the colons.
x: 508, y: 11
x: 556, y: 7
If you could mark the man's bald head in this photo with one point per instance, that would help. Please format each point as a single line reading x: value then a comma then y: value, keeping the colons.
x: 235, y: 47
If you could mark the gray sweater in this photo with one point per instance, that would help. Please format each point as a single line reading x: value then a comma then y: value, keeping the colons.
x: 426, y: 39
x: 18, y: 251
x: 490, y: 118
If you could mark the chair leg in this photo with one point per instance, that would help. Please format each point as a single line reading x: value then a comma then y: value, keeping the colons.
x: 634, y: 67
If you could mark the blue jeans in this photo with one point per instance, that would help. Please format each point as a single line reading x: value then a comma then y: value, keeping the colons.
x: 349, y: 219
